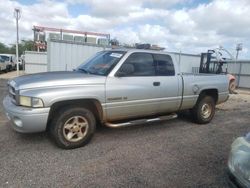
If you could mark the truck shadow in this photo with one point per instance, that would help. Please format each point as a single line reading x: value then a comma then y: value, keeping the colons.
x: 103, y: 133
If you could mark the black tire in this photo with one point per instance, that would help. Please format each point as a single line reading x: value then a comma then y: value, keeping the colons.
x: 232, y: 87
x: 199, y: 113
x: 59, y: 132
x: 9, y: 68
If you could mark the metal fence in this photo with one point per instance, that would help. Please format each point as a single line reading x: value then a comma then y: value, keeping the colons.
x: 186, y: 62
x: 67, y: 55
x: 241, y: 69
x: 35, y: 62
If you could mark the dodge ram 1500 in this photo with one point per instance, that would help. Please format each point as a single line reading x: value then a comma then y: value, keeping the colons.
x: 115, y: 88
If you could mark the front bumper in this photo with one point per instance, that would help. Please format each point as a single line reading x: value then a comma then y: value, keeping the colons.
x: 26, y: 120
x: 234, y: 182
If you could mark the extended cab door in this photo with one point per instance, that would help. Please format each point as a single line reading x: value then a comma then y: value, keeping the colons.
x: 170, y: 84
x: 136, y: 93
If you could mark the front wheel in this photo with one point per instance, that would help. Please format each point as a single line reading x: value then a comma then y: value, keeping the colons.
x: 73, y: 128
x: 204, y: 110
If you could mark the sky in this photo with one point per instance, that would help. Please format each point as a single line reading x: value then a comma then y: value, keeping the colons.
x: 189, y: 26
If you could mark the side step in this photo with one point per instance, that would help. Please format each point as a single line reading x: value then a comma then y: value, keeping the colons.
x: 141, y: 121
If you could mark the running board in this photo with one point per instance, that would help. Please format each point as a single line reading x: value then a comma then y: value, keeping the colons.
x: 141, y: 121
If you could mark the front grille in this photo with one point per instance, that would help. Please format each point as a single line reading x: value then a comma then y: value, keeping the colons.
x: 12, y: 93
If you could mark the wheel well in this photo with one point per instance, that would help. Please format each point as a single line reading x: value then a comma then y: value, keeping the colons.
x: 91, y: 104
x: 231, y: 80
x: 210, y: 92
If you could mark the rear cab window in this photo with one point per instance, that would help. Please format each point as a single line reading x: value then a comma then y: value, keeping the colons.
x: 164, y: 65
x: 150, y: 64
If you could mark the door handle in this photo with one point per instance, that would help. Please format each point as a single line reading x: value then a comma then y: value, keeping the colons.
x: 156, y: 83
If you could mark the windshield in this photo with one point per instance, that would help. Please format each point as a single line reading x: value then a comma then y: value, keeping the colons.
x: 5, y: 58
x: 102, y: 63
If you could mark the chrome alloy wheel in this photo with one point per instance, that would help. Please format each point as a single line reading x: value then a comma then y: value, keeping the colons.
x: 206, y: 110
x: 75, y: 128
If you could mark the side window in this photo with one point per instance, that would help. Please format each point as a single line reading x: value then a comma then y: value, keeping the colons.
x: 164, y: 65
x: 141, y: 64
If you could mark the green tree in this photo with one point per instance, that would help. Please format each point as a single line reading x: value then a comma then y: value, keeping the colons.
x: 25, y: 45
x: 4, y: 49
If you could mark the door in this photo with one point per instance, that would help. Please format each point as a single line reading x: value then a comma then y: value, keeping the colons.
x: 169, y: 97
x: 134, y: 94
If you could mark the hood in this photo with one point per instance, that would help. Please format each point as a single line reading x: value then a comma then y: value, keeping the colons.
x: 51, y: 79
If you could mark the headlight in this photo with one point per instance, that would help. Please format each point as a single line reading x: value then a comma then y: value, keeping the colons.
x: 31, y: 102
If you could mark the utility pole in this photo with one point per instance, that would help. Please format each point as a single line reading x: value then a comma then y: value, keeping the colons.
x: 17, y: 15
x: 238, y: 49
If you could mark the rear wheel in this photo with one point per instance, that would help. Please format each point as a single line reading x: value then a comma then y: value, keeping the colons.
x: 73, y: 128
x: 204, y: 110
x: 232, y: 86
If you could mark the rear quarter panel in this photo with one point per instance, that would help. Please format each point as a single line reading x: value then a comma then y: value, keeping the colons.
x: 194, y: 84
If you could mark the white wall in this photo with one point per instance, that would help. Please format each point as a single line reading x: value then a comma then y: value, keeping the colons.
x: 66, y: 55
x: 35, y: 62
x: 186, y: 61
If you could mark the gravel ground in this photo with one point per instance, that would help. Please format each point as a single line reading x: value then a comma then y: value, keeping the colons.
x: 175, y: 153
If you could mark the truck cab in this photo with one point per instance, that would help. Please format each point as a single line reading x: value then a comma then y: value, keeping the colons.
x: 8, y: 62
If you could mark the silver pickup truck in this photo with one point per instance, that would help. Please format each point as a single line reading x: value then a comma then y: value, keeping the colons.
x: 116, y: 88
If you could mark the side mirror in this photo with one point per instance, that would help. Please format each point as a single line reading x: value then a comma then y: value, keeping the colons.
x: 125, y: 70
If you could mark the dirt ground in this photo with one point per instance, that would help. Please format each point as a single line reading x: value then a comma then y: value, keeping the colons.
x: 175, y: 153
x: 10, y: 75
x: 236, y: 101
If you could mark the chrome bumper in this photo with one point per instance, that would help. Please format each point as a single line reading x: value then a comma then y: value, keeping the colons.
x: 26, y: 120
x: 233, y: 181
